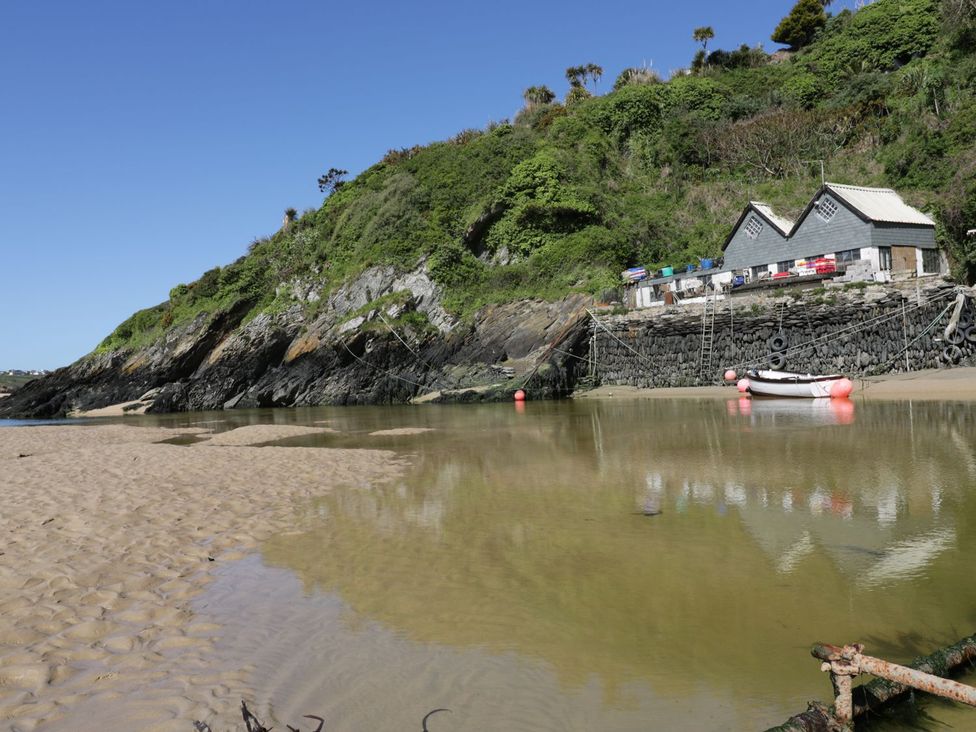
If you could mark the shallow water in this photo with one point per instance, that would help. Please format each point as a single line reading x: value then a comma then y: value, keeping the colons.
x: 615, y: 566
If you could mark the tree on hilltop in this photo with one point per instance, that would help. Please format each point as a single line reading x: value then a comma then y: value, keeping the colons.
x: 798, y: 28
x: 577, y: 76
x: 332, y: 180
x: 538, y: 95
x: 703, y: 35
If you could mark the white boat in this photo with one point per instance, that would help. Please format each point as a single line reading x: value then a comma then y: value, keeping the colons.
x: 788, y: 384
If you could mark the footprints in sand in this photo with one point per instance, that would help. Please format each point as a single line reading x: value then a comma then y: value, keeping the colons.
x: 95, y: 615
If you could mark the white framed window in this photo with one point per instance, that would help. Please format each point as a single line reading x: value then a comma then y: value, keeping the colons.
x: 826, y: 209
x: 759, y: 271
x: 786, y: 265
x: 754, y: 227
x: 848, y: 255
x: 884, y: 258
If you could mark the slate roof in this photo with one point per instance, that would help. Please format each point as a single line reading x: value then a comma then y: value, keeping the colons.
x: 784, y: 225
x: 879, y: 204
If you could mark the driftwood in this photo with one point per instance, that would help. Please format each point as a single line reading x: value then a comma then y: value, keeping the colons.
x: 879, y: 693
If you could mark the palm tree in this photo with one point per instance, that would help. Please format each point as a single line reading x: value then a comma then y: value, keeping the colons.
x: 538, y: 95
x: 595, y: 72
x: 703, y: 35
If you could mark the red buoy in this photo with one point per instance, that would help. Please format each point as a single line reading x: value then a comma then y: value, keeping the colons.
x: 520, y: 396
x: 841, y: 389
x: 730, y: 375
x: 743, y: 385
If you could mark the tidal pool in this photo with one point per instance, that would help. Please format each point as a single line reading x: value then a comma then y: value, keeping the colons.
x: 659, y: 564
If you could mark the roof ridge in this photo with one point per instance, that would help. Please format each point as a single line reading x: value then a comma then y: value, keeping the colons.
x: 860, y: 188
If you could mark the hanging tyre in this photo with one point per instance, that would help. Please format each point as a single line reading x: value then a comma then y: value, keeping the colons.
x: 952, y: 354
x: 777, y: 343
x: 956, y: 337
x: 777, y: 361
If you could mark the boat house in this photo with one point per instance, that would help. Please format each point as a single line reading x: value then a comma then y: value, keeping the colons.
x: 846, y: 232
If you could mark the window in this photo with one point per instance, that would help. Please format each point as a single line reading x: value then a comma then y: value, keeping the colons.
x: 848, y: 255
x: 786, y: 265
x: 754, y: 227
x: 884, y: 258
x: 759, y: 271
x: 826, y: 209
x: 931, y: 261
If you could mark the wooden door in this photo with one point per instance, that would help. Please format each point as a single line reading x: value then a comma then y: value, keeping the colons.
x: 903, y: 259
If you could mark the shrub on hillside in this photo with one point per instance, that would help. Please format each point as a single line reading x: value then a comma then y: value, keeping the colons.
x: 798, y: 28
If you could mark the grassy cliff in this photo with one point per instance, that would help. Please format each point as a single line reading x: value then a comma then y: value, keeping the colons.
x: 568, y: 194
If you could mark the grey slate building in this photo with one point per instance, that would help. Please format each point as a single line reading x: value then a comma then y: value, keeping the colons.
x: 846, y: 223
x: 870, y: 231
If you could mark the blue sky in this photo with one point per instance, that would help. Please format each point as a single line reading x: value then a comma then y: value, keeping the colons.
x: 144, y: 143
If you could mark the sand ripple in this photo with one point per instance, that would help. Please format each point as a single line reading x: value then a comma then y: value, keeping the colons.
x: 105, y: 536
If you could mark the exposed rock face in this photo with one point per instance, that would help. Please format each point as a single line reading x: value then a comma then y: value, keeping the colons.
x: 285, y: 359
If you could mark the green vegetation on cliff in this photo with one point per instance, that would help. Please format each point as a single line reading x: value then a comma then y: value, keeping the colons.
x: 568, y: 194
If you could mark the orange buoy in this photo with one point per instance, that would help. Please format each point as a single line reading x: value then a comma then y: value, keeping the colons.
x: 841, y: 389
x: 520, y: 396
x: 730, y: 375
x: 743, y: 385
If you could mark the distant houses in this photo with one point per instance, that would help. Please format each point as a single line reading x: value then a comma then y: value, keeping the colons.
x: 848, y: 232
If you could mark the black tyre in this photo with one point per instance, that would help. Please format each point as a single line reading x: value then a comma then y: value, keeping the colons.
x: 956, y: 337
x: 777, y: 361
x: 952, y: 354
x: 971, y: 334
x: 777, y: 343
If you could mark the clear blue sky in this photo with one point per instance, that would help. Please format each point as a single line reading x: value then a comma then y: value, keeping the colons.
x: 144, y: 143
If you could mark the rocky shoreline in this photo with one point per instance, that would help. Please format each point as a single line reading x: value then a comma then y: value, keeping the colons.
x: 350, y: 353
x: 365, y: 347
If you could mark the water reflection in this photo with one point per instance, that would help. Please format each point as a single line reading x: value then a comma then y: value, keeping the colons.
x: 679, y: 544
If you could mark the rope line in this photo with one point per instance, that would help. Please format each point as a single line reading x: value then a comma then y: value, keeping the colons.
x: 381, y: 369
x: 612, y: 335
x: 929, y: 327
x: 848, y: 330
x: 437, y: 382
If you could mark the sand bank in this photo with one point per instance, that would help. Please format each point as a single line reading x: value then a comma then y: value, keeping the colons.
x: 958, y: 384
x: 105, y: 535
x: 256, y: 434
x: 401, y: 431
x: 123, y: 409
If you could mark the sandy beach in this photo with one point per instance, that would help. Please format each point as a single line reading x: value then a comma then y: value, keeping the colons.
x: 106, y: 535
x: 958, y: 384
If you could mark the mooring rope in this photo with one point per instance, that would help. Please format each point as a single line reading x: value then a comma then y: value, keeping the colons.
x: 612, y: 335
x: 428, y: 364
x: 846, y: 331
x: 383, y: 370
x: 930, y: 326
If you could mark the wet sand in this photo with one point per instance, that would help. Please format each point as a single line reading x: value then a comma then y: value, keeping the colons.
x: 958, y: 384
x: 106, y: 536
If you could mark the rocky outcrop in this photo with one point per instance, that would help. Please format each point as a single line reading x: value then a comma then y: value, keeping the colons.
x: 345, y: 348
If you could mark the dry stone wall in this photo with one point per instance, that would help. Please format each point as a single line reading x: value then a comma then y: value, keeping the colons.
x: 853, y: 332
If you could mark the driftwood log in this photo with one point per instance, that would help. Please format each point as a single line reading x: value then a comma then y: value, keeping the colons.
x: 879, y: 693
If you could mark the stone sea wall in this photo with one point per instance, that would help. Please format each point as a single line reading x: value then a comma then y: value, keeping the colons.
x: 855, y: 332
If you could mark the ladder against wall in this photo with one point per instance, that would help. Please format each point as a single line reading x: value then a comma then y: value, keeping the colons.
x: 705, y: 374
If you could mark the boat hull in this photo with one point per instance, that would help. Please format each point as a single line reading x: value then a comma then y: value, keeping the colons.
x: 784, y: 384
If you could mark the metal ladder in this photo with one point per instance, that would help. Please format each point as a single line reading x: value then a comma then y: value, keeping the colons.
x: 708, y: 338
